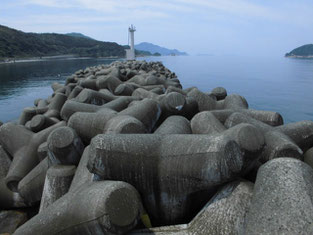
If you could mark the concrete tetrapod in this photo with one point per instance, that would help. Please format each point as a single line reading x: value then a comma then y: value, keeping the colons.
x: 31, y: 186
x: 223, y: 214
x: 70, y: 107
x: 247, y: 136
x: 174, y: 125
x: 88, y: 125
x: 104, y: 207
x: 82, y: 174
x: 64, y: 146
x: 57, y: 183
x: 277, y: 143
x: 22, y: 145
x: 282, y: 199
x: 174, y: 169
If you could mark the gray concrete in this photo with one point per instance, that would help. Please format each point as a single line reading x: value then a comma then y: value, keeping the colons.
x: 223, y: 214
x: 206, y: 123
x: 308, y: 157
x: 31, y: 186
x: 42, y: 151
x: 106, y: 207
x: 108, y: 82
x: 5, y: 162
x: 70, y: 107
x: 64, y: 146
x: 174, y: 125
x: 278, y: 144
x: 93, y: 97
x: 205, y: 102
x: 82, y: 174
x: 55, y: 105
x: 88, y: 125
x: 29, y: 112
x: 282, y: 199
x: 124, y: 89
x: 173, y: 168
x: 301, y: 133
x: 22, y: 145
x: 57, y: 183
x: 40, y: 122
x: 124, y: 124
x: 11, y: 220
x: 219, y: 92
x: 9, y: 199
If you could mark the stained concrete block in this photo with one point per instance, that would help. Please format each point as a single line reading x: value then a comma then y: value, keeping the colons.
x: 64, y: 146
x: 173, y: 168
x: 57, y: 183
x: 105, y: 207
x: 11, y: 220
x: 31, y: 186
x: 223, y: 214
x: 22, y: 145
x: 174, y: 125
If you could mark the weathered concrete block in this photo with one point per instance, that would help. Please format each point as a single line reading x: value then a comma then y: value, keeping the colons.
x: 42, y: 151
x: 308, y: 157
x: 40, y: 122
x: 88, y: 125
x: 147, y: 111
x: 93, y: 97
x: 75, y: 92
x: 64, y: 146
x: 282, y: 199
x: 223, y: 214
x: 206, y: 123
x: 301, y: 133
x: 55, y: 105
x: 5, y: 162
x: 205, y: 102
x: 70, y: 107
x: 124, y: 124
x: 174, y: 125
x: 276, y: 144
x: 219, y: 92
x: 9, y: 199
x: 31, y: 186
x: 105, y: 207
x: 124, y: 89
x: 11, y: 220
x: 108, y: 82
x: 82, y: 174
x: 29, y: 112
x: 22, y: 145
x: 173, y: 168
x: 57, y: 183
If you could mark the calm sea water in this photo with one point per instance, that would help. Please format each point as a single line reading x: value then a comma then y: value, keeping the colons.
x: 275, y: 83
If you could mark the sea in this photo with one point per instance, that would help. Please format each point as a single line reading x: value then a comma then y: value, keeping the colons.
x: 280, y: 84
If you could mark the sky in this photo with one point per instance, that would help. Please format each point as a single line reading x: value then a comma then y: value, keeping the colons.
x: 218, y: 27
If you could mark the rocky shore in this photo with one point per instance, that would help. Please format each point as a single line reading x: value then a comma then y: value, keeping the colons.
x: 124, y: 149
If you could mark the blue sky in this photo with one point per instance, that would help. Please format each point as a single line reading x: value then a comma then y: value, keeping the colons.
x: 258, y: 27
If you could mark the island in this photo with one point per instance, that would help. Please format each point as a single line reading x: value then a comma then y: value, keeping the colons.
x: 305, y: 51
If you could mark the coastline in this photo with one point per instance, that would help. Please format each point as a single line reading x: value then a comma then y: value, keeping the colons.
x: 299, y: 56
x: 47, y: 58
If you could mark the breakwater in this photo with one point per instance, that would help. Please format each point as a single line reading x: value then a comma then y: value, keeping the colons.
x: 123, y: 147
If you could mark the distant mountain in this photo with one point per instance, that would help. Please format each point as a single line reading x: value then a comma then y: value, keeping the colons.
x: 79, y: 35
x: 145, y: 46
x: 305, y: 51
x: 17, y: 44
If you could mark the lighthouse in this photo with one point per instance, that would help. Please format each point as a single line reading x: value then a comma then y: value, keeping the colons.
x: 130, y: 53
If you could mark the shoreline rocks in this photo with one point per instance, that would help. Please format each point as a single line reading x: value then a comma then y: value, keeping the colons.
x: 124, y: 148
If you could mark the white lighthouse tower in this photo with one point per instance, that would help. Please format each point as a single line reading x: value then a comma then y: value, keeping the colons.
x: 130, y: 53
